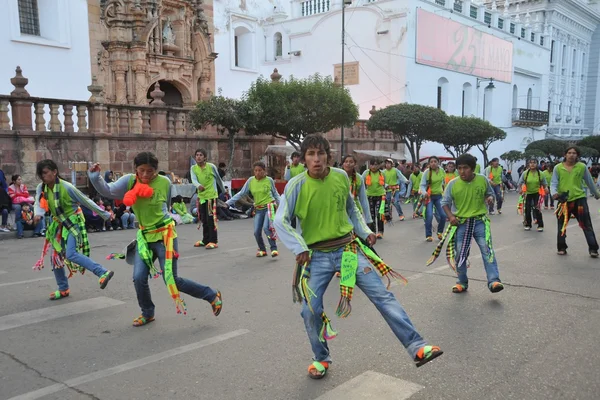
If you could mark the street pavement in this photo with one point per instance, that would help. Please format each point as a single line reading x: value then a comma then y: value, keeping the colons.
x: 534, y: 340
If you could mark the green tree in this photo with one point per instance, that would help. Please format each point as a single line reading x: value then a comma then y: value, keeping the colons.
x: 293, y: 108
x: 511, y: 157
x: 594, y: 143
x: 534, y: 154
x: 229, y: 116
x: 487, y: 135
x: 458, y: 137
x: 589, y: 153
x: 552, y: 148
x: 411, y: 124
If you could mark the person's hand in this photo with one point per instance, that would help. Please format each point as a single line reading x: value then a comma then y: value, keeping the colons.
x: 597, y: 196
x: 95, y: 167
x: 29, y: 222
x: 201, y: 188
x: 453, y: 220
x: 303, y: 258
x: 371, y: 239
x: 287, y: 164
x: 37, y: 219
x: 555, y: 197
x: 490, y: 200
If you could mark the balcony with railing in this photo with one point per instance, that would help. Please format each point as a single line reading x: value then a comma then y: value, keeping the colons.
x: 312, y: 7
x: 527, y: 117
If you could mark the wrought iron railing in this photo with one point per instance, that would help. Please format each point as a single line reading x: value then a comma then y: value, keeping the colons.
x: 527, y: 117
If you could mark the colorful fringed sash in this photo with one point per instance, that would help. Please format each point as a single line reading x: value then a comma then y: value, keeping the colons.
x: 271, y: 209
x: 564, y: 209
x: 450, y: 237
x: 348, y: 269
x: 167, y: 228
x: 58, y: 232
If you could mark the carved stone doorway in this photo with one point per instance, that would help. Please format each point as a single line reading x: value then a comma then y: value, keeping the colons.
x: 173, y: 97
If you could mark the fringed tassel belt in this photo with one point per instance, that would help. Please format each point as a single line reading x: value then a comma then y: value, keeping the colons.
x: 348, y: 269
x: 271, y: 209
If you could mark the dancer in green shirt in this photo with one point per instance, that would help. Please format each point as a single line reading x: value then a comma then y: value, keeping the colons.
x: 494, y: 173
x: 548, y: 175
x: 295, y: 168
x: 374, y: 180
x: 330, y: 221
x: 567, y: 183
x: 532, y: 185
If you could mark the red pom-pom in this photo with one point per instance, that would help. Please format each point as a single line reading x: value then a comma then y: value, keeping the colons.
x: 139, y: 190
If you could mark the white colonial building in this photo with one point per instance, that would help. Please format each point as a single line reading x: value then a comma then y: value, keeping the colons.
x: 465, y: 57
x: 50, y: 41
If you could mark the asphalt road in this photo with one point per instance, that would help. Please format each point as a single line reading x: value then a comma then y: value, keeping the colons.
x: 534, y: 340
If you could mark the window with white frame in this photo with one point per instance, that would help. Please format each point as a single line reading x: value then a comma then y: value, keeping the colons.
x: 29, y: 20
x: 278, y: 45
x: 243, y: 48
x: 442, y: 94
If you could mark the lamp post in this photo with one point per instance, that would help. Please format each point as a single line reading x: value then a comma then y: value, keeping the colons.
x: 344, y: 3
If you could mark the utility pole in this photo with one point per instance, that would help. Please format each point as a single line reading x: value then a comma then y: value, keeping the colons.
x: 344, y: 2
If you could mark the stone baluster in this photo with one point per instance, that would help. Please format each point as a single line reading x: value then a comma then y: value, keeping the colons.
x: 146, y: 121
x: 4, y: 118
x: 136, y: 121
x: 20, y: 104
x: 123, y: 121
x: 112, y: 120
x: 81, y: 122
x: 158, y: 117
x: 40, y: 121
x: 171, y: 123
x: 180, y: 123
x: 98, y: 111
x: 68, y: 114
x: 54, y: 121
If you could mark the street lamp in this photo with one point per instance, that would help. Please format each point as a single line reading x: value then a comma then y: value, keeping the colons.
x: 344, y: 3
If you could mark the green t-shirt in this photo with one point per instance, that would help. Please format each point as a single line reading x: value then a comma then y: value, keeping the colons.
x: 533, y: 181
x: 571, y: 181
x: 261, y: 191
x: 321, y: 208
x: 548, y: 175
x: 416, y: 181
x: 391, y: 176
x: 434, y: 180
x: 150, y: 211
x: 65, y: 201
x: 375, y: 188
x: 496, y: 174
x: 206, y: 177
x: 180, y: 208
x: 296, y: 170
x: 477, y: 168
x: 468, y: 197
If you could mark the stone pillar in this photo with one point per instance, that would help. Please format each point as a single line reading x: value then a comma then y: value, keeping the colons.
x: 21, y: 107
x: 158, y: 117
x: 98, y: 111
x: 140, y: 84
x: 120, y: 85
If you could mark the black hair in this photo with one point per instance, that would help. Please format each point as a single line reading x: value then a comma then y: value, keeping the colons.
x: 348, y: 156
x: 23, y: 204
x: 259, y: 164
x: 202, y: 151
x: 373, y: 161
x: 573, y: 148
x: 178, y: 199
x: 433, y: 158
x: 534, y: 160
x: 42, y: 165
x: 494, y: 159
x: 146, y: 157
x: 316, y: 141
x: 222, y: 165
x: 14, y: 178
x: 468, y: 160
x: 163, y: 173
x: 296, y: 154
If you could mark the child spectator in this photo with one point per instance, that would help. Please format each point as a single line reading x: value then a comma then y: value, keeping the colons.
x: 180, y: 209
x: 126, y: 216
x: 25, y: 221
x: 111, y: 223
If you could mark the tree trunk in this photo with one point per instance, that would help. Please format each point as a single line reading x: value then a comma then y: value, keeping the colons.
x: 449, y: 150
x: 229, y: 170
x: 409, y: 145
x: 483, y: 150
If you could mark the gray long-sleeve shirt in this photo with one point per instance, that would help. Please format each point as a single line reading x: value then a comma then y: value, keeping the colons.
x: 77, y: 198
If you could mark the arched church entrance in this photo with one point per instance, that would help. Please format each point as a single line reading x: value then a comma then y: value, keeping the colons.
x: 172, y: 97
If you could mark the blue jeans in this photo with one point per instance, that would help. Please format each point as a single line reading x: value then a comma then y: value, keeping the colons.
x: 440, y: 215
x: 322, y: 268
x: 79, y: 259
x: 491, y: 267
x: 498, y: 191
x: 22, y: 226
x: 17, y: 210
x: 127, y: 219
x: 261, y: 224
x: 395, y: 201
x: 142, y: 289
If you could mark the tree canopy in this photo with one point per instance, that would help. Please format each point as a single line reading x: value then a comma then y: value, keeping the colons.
x: 511, y: 157
x: 293, y: 108
x: 551, y: 148
x: 411, y: 124
x: 488, y: 134
x: 536, y: 154
x: 588, y: 152
x: 229, y: 116
x: 591, y: 142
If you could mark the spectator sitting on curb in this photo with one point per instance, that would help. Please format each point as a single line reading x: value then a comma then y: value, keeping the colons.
x: 25, y: 222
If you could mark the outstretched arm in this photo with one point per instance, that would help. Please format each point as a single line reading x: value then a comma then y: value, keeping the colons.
x: 114, y: 190
x: 243, y: 192
x: 284, y: 216
x: 78, y: 197
x: 275, y: 193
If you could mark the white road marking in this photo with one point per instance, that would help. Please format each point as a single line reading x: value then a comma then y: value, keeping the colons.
x: 94, y: 376
x: 217, y: 252
x: 373, y: 385
x: 24, y: 282
x: 45, y: 314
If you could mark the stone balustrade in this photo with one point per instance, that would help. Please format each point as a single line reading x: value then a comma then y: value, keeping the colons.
x: 21, y: 112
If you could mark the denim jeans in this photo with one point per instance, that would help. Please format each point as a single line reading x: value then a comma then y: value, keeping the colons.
x: 261, y: 223
x: 395, y: 201
x: 17, y: 210
x: 22, y: 226
x: 491, y: 267
x: 322, y: 268
x: 142, y: 289
x: 498, y: 191
x: 127, y: 219
x: 79, y: 259
x: 440, y: 215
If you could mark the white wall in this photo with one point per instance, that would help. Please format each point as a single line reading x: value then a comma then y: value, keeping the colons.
x: 57, y: 63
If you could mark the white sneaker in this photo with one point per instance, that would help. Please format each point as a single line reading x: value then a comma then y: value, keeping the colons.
x: 3, y: 229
